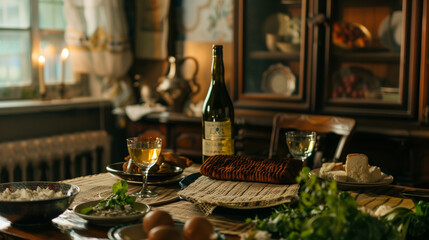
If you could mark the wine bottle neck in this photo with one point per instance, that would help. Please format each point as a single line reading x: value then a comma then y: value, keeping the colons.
x: 217, y: 66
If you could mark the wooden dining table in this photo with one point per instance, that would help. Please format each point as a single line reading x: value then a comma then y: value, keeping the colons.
x: 230, y: 222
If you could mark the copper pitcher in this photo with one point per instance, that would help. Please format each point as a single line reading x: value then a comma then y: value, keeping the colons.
x: 173, y: 88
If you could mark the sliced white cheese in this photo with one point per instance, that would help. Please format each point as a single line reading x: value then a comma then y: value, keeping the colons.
x: 357, y: 168
x: 375, y: 174
x: 326, y: 167
x: 339, y: 176
x: 329, y: 167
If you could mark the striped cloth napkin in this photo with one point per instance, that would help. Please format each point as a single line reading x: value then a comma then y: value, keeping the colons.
x: 372, y: 201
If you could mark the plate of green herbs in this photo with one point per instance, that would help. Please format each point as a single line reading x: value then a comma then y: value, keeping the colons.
x: 324, y: 212
x: 118, y: 208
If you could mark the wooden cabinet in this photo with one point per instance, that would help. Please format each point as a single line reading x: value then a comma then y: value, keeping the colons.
x: 271, y: 55
x: 424, y: 68
x: 343, y: 57
x: 385, y: 71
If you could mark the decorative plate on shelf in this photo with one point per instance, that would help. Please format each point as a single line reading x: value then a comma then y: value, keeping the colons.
x: 355, y: 82
x: 350, y: 35
x: 353, y: 185
x: 390, y: 31
x: 153, y: 178
x: 278, y: 79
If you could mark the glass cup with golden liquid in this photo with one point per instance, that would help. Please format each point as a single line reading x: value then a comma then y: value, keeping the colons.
x: 144, y: 152
x: 301, y: 143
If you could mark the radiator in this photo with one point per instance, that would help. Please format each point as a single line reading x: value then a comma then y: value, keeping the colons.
x: 56, y: 157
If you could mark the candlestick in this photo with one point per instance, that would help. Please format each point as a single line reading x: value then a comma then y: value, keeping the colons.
x: 64, y: 55
x: 42, y: 86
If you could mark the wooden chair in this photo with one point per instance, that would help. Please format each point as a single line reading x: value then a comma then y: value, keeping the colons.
x: 321, y: 124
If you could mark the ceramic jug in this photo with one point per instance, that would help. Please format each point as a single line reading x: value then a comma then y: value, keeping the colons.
x: 173, y: 88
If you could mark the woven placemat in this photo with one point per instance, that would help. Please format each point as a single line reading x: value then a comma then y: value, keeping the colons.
x: 208, y: 194
x: 99, y: 186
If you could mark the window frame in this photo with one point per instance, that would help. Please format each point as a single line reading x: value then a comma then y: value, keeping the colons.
x: 31, y: 90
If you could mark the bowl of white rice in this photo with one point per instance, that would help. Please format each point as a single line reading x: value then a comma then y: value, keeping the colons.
x: 35, y: 202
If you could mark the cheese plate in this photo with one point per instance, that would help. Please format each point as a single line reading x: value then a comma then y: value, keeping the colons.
x: 388, y: 179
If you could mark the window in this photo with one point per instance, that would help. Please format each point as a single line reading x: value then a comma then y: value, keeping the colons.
x: 29, y: 29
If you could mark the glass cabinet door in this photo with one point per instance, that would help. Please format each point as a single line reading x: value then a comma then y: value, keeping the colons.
x: 369, y: 56
x: 271, y: 36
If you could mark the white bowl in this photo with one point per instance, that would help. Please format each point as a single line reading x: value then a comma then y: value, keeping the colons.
x: 37, y: 211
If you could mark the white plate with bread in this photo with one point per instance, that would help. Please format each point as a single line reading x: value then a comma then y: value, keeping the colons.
x: 355, y: 173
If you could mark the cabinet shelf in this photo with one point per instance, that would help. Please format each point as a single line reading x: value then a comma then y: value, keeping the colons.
x: 392, y: 57
x: 265, y: 55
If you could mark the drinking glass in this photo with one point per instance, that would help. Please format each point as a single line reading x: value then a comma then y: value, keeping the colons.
x: 144, y: 152
x: 301, y: 143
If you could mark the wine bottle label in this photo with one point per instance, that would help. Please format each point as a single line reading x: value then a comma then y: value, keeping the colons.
x: 218, y: 147
x: 217, y: 130
x: 218, y: 139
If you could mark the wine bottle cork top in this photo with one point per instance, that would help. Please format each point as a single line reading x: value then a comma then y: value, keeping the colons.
x: 217, y: 50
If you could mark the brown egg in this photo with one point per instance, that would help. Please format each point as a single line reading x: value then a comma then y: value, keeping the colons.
x: 198, y: 228
x: 156, y: 218
x: 164, y: 232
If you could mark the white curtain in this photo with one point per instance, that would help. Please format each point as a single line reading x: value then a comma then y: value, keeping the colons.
x: 152, y: 29
x: 97, y: 37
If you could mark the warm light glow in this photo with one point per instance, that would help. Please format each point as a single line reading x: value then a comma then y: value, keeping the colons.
x: 41, y: 59
x: 64, y: 53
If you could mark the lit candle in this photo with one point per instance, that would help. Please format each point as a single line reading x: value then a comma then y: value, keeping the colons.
x: 64, y: 55
x: 42, y: 87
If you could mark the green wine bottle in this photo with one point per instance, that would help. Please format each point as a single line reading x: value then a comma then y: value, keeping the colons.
x: 218, y: 112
